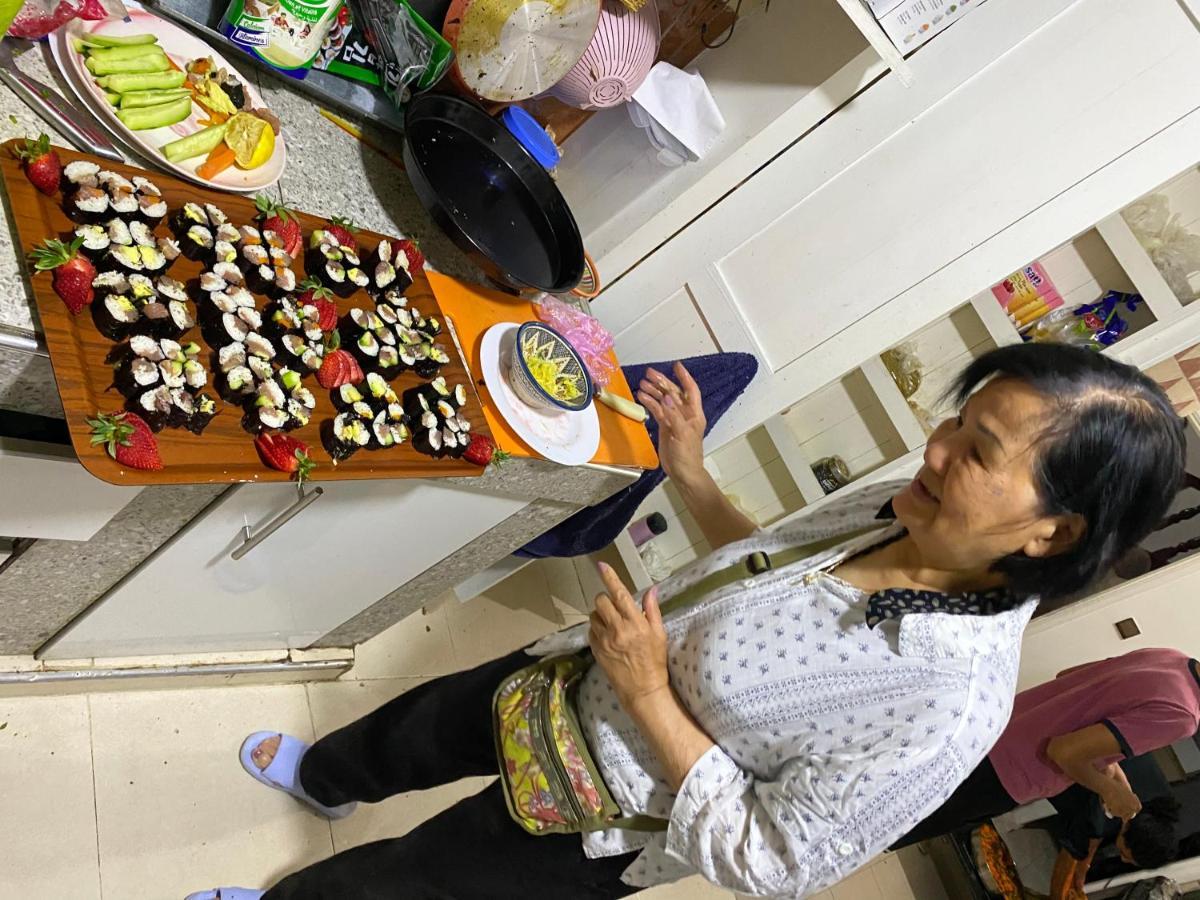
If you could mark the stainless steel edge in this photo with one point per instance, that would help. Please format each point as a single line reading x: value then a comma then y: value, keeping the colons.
x: 21, y: 341
x: 252, y: 541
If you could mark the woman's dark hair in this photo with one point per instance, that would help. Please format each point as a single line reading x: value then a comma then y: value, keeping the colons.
x: 1112, y: 454
x: 1150, y: 835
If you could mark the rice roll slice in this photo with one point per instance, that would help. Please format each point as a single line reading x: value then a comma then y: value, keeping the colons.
x: 389, y: 361
x: 281, y: 257
x: 171, y: 289
x: 284, y: 316
x: 145, y: 186
x: 272, y: 417
x: 367, y: 345
x: 429, y: 420
x: 115, y: 315
x: 343, y: 435
x: 231, y: 356
x: 407, y: 357
x: 439, y: 387
x: 181, y: 315
x: 119, y: 233
x: 115, y: 181
x: 428, y: 441
x: 381, y: 430
x: 171, y: 371
x: 141, y: 234
x: 183, y: 406
x: 228, y: 270
x: 334, y: 276
x: 211, y: 281
x: 169, y: 248
x: 81, y: 172
x: 349, y: 257
x: 449, y: 441
x: 224, y: 252
x: 95, y: 238
x: 395, y: 297
x: 262, y: 368
x: 235, y: 327
x: 89, y: 202
x: 257, y: 345
x: 123, y: 202
x: 464, y: 424
x: 172, y: 349
x: 143, y: 372
x: 312, y: 359
x: 250, y: 316
x: 459, y: 396
x: 197, y: 242
x: 228, y: 232
x: 239, y: 380
x: 298, y: 415
x: 250, y: 236
x: 304, y: 397
x: 195, y: 374
x: 256, y: 254
x: 385, y: 336
x: 269, y: 393
x: 191, y: 214
x: 151, y: 208
x: 348, y: 395
x: 403, y: 317
x: 433, y: 327
x: 215, y: 215
x: 272, y: 239
x: 126, y: 257
x: 424, y: 366
x: 241, y: 296
x: 154, y: 405
x: 377, y: 386
x: 142, y: 288
x: 205, y: 409
x: 223, y: 302
x: 152, y: 258
x: 445, y: 409
x: 285, y: 279
x: 146, y: 347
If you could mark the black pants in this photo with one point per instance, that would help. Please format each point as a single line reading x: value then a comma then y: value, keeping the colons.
x: 976, y: 800
x: 435, y: 734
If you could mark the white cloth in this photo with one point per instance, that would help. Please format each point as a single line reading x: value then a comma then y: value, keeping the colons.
x: 832, y: 739
x: 678, y: 112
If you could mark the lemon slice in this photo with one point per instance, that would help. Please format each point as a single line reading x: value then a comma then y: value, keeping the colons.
x: 265, y: 148
x: 243, y: 137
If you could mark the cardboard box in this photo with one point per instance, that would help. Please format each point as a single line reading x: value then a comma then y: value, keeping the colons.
x: 913, y: 22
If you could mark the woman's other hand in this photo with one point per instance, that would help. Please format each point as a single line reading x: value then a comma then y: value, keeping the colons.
x: 629, y: 644
x: 1121, y: 802
x: 678, y: 410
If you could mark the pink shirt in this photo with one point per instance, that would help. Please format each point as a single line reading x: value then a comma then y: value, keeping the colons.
x: 1147, y: 699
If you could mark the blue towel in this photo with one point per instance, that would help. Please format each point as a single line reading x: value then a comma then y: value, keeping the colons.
x: 722, y: 378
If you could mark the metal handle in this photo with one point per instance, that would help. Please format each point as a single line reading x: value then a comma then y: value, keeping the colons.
x: 22, y: 341
x: 73, y: 123
x: 251, y: 540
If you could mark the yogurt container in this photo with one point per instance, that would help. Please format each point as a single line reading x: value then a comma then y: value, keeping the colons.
x: 285, y: 34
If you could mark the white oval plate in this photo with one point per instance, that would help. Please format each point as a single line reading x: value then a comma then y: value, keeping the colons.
x: 569, y: 438
x: 180, y: 47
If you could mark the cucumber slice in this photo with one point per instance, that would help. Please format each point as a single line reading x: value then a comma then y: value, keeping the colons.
x: 119, y: 40
x: 151, y: 62
x: 113, y: 99
x: 153, y: 81
x: 131, y: 51
x: 198, y: 144
x: 143, y: 118
x: 134, y: 99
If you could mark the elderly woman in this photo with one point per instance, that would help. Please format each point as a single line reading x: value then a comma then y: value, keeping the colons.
x: 809, y: 694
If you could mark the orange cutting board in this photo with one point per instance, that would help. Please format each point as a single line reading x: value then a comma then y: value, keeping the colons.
x: 474, y: 310
x: 225, y: 451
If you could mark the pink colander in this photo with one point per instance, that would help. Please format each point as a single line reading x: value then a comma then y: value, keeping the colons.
x: 616, y: 62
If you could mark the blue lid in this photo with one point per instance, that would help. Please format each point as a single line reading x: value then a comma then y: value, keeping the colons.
x: 532, y: 136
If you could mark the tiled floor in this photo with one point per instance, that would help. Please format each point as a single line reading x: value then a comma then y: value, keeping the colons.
x: 139, y: 795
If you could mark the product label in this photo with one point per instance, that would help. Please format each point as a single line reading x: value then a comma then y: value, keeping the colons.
x: 286, y: 33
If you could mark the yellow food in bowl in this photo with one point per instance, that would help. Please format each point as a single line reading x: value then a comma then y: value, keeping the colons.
x: 549, y: 370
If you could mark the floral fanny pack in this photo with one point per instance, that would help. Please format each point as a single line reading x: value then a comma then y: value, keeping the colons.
x: 551, y: 783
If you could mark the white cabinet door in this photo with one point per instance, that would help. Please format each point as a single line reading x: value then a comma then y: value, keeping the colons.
x: 1012, y: 109
x: 352, y: 546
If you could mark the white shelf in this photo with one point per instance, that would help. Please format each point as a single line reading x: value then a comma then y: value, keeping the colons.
x: 794, y: 459
x: 865, y: 22
x: 1139, y: 267
x: 999, y: 327
x: 894, y: 404
x: 633, y: 561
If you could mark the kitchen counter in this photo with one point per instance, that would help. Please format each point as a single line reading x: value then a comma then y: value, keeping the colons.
x: 328, y: 173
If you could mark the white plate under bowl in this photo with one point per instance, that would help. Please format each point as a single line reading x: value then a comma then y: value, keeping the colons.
x: 180, y: 46
x: 569, y: 438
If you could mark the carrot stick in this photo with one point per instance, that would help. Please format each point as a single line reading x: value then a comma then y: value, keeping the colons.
x: 220, y: 159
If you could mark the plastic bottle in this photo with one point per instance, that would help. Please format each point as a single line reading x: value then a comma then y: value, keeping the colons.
x: 285, y: 34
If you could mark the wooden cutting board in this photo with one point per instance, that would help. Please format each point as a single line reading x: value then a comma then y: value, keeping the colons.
x: 225, y: 451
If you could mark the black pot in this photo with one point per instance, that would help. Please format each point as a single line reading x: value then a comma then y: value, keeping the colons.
x: 490, y: 196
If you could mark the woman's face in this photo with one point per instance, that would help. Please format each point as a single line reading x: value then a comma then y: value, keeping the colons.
x: 974, y: 500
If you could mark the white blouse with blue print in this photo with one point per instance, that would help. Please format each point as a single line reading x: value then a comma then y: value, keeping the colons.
x: 832, y: 738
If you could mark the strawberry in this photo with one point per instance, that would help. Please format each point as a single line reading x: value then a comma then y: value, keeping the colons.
x: 316, y: 294
x: 285, y: 453
x: 338, y: 367
x: 416, y: 259
x: 130, y: 440
x: 42, y: 166
x: 73, y: 274
x: 343, y: 230
x: 482, y: 451
x: 281, y: 220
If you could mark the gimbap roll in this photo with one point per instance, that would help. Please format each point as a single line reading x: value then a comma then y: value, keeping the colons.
x: 146, y: 347
x: 183, y: 406
x: 347, y: 395
x: 358, y: 277
x: 385, y: 336
x: 172, y: 349
x: 211, y: 281
x: 118, y: 232
x: 408, y: 358
x: 234, y: 327
x: 445, y: 409
x: 239, y: 380
x: 304, y: 397
x: 81, y: 172
x: 224, y: 252
x: 289, y: 379
x: 156, y: 320
x: 241, y: 296
x: 123, y: 202
x: 261, y: 368
x: 230, y: 272
x: 115, y: 316
x: 262, y: 279
x: 181, y: 315
x: 90, y: 203
x: 249, y: 236
x: 333, y: 274
x: 377, y: 386
x: 298, y: 414
x: 439, y: 387
x: 257, y: 345
x: 251, y: 316
x: 458, y: 396
x: 381, y: 431
x: 95, y: 238
x: 312, y: 358
x: 126, y: 257
x: 270, y: 393
x: 269, y: 417
x: 227, y: 232
x: 151, y: 208
x: 285, y: 280
x: 280, y: 257
x: 169, y: 248
x: 368, y: 346
x: 115, y: 181
x: 349, y: 257
x: 110, y: 282
x: 433, y: 327
x: 428, y: 441
x: 215, y: 216
x: 389, y: 362
x: 197, y: 242
x: 425, y: 366
x: 464, y: 424
x: 343, y: 435
x: 170, y: 288
x: 284, y: 318
x: 171, y: 371
x: 206, y: 408
x: 195, y: 374
x: 146, y: 187
x: 190, y: 214
x: 154, y: 406
x: 141, y: 374
x: 272, y: 239
x: 141, y: 234
x: 395, y: 298
x: 231, y: 356
x: 223, y: 302
x: 152, y: 259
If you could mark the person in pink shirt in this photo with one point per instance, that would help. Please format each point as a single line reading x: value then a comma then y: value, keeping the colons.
x: 1073, y: 730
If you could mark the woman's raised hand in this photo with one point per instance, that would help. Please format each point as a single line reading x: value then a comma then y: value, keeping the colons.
x: 678, y: 410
